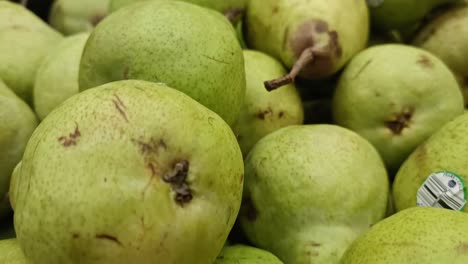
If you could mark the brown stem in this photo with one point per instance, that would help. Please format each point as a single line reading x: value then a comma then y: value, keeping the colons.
x: 306, y: 57
x: 234, y: 14
x: 24, y: 3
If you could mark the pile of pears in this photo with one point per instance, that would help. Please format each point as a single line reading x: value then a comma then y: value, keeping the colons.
x: 234, y: 132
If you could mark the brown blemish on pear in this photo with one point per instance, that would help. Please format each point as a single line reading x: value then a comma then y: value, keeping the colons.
x: 120, y: 106
x: 425, y: 62
x: 400, y: 121
x: 314, y: 57
x: 71, y: 139
x: 109, y: 238
x: 177, y: 178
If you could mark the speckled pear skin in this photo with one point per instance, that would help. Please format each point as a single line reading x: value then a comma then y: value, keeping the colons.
x: 223, y: 6
x: 242, y: 254
x: 396, y: 96
x: 401, y: 14
x: 24, y: 41
x: 17, y: 124
x: 284, y: 28
x: 57, y: 77
x: 264, y: 112
x: 415, y: 235
x: 447, y: 37
x: 10, y: 252
x: 129, y: 172
x: 311, y: 190
x: 204, y: 62
x: 72, y: 17
x: 444, y: 150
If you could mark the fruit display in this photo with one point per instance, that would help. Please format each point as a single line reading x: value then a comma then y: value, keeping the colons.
x: 233, y: 132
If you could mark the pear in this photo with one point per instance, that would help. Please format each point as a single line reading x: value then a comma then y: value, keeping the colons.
x: 443, y: 151
x: 24, y: 41
x: 115, y: 175
x: 387, y: 15
x: 17, y: 124
x: 447, y: 37
x: 314, y: 38
x: 310, y: 190
x: 265, y: 112
x: 71, y: 16
x: 415, y: 235
x: 396, y: 96
x: 205, y: 62
x: 10, y: 252
x: 230, y: 8
x: 242, y: 254
x: 57, y: 76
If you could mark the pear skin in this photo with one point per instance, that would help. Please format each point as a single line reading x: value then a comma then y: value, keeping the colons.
x: 446, y: 36
x: 297, y: 177
x: 396, y: 96
x: 443, y: 151
x: 18, y: 123
x: 71, y: 16
x: 414, y: 235
x: 57, y: 77
x: 11, y: 253
x: 312, y: 38
x: 24, y: 41
x: 205, y: 62
x: 263, y: 111
x: 115, y: 175
x: 242, y: 254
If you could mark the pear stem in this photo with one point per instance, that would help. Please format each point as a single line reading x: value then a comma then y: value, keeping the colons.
x: 306, y: 57
x: 234, y: 14
x: 24, y: 3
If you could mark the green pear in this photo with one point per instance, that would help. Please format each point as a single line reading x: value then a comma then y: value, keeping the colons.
x: 71, y: 16
x: 227, y: 7
x: 314, y: 38
x: 17, y: 124
x: 205, y: 62
x: 415, y: 235
x: 389, y: 15
x: 396, y: 96
x: 57, y: 76
x: 10, y: 252
x: 129, y: 172
x: 242, y: 254
x: 311, y: 190
x: 447, y: 37
x: 443, y: 151
x: 24, y: 41
x: 265, y: 112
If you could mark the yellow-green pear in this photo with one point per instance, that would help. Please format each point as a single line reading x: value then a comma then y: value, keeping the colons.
x: 17, y: 123
x: 396, y: 96
x: 242, y: 254
x: 24, y: 41
x: 415, y: 235
x: 313, y: 38
x: 188, y: 47
x: 444, y: 151
x: 446, y: 36
x: 11, y: 253
x: 75, y: 16
x: 129, y: 172
x: 265, y: 112
x: 310, y: 191
x: 57, y: 76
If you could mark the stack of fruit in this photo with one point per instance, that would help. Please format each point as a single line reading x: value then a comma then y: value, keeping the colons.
x: 235, y: 131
